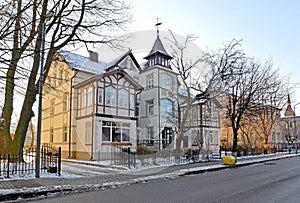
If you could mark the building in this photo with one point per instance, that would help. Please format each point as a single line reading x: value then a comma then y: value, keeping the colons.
x: 285, y: 136
x: 92, y: 107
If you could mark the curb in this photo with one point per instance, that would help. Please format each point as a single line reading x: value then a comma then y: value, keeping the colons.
x: 20, y: 195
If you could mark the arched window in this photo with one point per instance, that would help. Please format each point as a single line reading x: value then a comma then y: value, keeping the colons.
x: 123, y: 98
x: 83, y: 98
x: 110, y: 96
x: 89, y: 96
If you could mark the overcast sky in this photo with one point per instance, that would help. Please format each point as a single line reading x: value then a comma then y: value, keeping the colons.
x: 268, y: 28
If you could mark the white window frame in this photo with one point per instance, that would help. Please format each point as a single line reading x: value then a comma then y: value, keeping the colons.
x: 150, y: 107
x: 83, y: 98
x: 166, y: 107
x: 110, y: 96
x: 166, y: 81
x: 150, y: 81
x: 123, y: 98
x: 119, y: 127
x: 89, y: 96
x: 100, y: 96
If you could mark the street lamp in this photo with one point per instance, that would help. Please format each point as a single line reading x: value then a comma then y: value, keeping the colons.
x: 295, y: 127
x: 41, y: 82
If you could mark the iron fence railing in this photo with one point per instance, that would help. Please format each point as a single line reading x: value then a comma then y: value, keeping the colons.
x: 24, y: 164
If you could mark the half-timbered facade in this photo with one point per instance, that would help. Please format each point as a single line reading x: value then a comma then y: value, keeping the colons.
x: 91, y: 107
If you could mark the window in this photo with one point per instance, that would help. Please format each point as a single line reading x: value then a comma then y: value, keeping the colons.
x: 159, y: 60
x: 166, y: 81
x: 52, y: 107
x: 132, y: 101
x: 163, y: 61
x: 115, y: 131
x: 166, y: 107
x: 100, y: 96
x: 123, y: 98
x: 88, y: 132
x: 129, y: 63
x: 61, y: 76
x: 83, y: 98
x: 150, y: 81
x: 65, y: 134
x: 89, y: 96
x: 51, y: 135
x: 110, y: 96
x: 150, y: 107
x: 65, y: 103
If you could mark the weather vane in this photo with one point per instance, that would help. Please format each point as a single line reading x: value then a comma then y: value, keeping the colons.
x: 157, y: 24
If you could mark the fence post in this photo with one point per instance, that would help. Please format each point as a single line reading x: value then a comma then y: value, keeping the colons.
x: 59, y: 160
x: 8, y: 160
x: 129, y: 157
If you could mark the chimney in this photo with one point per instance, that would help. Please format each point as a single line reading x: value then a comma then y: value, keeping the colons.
x: 93, y: 56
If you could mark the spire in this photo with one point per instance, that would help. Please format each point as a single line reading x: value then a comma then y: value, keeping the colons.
x: 158, y: 47
x: 289, y: 100
x: 157, y: 24
x: 289, y: 110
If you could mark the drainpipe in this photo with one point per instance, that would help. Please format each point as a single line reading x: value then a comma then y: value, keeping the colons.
x: 158, y: 104
x: 93, y: 114
x: 135, y: 114
x: 70, y: 116
x: 92, y: 147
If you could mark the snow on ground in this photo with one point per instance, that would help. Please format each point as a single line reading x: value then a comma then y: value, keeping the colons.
x: 84, y: 168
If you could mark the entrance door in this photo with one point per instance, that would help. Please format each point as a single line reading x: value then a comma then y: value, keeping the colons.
x: 167, y: 134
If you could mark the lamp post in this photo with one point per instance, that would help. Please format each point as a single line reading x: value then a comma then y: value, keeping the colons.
x: 48, y: 16
x: 295, y: 128
x: 39, y: 124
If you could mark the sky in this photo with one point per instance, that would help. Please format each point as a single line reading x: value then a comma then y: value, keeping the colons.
x: 270, y: 29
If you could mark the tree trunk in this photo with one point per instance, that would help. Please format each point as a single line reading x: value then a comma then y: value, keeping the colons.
x: 178, y: 149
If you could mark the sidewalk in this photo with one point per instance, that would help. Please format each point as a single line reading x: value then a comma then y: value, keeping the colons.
x: 27, y: 188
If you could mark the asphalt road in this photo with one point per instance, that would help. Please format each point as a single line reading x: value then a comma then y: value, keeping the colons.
x: 276, y: 181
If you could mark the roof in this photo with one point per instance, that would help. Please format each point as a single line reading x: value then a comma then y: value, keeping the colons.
x: 123, y: 73
x: 82, y: 63
x: 116, y: 61
x: 158, y: 48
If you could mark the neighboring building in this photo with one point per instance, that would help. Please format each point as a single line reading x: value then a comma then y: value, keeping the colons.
x: 204, y: 126
x: 90, y: 107
x: 286, y: 135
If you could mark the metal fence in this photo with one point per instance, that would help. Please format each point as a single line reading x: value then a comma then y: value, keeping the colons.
x: 125, y: 157
x: 22, y: 165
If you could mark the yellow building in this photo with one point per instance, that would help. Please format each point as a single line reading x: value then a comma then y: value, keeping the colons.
x: 89, y: 106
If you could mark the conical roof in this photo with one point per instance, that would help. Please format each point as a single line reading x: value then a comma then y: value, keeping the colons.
x: 158, y: 47
x: 289, y: 110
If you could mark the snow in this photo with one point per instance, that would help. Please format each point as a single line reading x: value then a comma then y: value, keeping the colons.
x: 72, y: 169
x: 82, y: 63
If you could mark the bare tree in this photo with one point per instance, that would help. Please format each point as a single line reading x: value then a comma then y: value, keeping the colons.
x: 251, y: 81
x: 202, y: 77
x: 66, y: 23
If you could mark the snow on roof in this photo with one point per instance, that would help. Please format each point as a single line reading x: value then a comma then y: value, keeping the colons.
x: 82, y: 63
x: 115, y: 61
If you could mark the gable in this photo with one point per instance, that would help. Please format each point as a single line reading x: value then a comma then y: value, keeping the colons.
x: 126, y: 61
x: 128, y: 64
